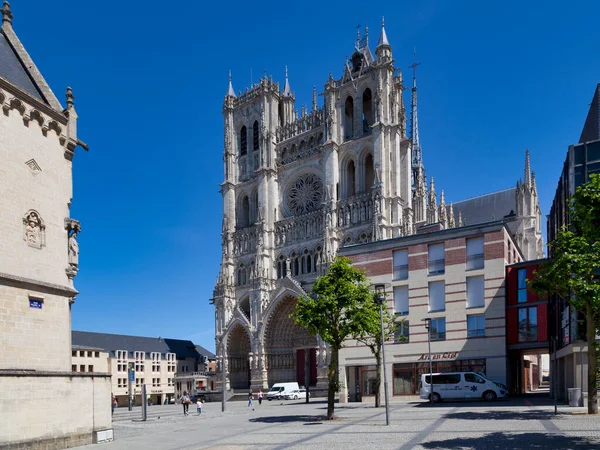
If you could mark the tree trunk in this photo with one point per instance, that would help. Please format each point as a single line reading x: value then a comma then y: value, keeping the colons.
x: 378, y: 379
x: 590, y: 335
x: 333, y: 376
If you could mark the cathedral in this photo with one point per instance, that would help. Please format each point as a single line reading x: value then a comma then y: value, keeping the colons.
x: 298, y: 185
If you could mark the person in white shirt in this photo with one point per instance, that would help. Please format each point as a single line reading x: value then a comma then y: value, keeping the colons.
x: 199, y: 406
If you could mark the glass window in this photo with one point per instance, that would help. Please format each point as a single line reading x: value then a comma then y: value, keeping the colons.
x: 473, y: 378
x: 402, y: 332
x: 437, y: 329
x: 400, y: 264
x: 401, y: 300
x: 404, y: 379
x: 475, y: 292
x: 579, y: 154
x: 522, y: 285
x: 435, y: 255
x: 369, y: 379
x: 593, y: 151
x: 476, y: 325
x: 475, y: 257
x: 528, y: 324
x: 437, y: 296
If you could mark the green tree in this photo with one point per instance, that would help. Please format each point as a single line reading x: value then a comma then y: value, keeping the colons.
x: 574, y: 270
x: 335, y: 311
x: 370, y: 335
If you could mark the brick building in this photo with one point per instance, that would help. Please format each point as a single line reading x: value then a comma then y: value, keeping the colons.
x: 455, y: 277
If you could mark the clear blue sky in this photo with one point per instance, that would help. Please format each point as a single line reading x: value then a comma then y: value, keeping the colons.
x: 149, y: 78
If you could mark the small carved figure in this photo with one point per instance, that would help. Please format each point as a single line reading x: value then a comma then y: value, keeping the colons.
x: 73, y: 249
x: 34, y: 229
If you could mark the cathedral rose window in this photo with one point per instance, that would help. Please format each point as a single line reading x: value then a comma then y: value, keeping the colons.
x: 305, y: 194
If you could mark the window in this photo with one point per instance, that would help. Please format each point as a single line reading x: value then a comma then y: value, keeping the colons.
x: 528, y: 324
x: 82, y: 353
x: 475, y: 258
x: 401, y: 264
x: 243, y: 141
x: 522, y: 285
x: 139, y: 382
x: 369, y: 379
x: 74, y: 368
x: 255, y: 136
x: 402, y: 332
x: 476, y: 325
x: 473, y: 378
x: 90, y: 368
x: 121, y: 361
x: 475, y: 292
x: 82, y: 368
x: 437, y: 329
x: 170, y: 381
x: 122, y: 382
x: 401, y: 300
x: 349, y: 118
x: 96, y: 354
x: 453, y: 378
x: 155, y: 362
x: 436, y: 259
x: 437, y: 296
x: 171, y: 362
x: 184, y: 369
x: 139, y: 361
x: 74, y: 353
x: 156, y: 382
x: 89, y: 354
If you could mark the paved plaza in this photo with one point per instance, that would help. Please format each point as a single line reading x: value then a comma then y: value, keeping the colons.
x: 514, y: 424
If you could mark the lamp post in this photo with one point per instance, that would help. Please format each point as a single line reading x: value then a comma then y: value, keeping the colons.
x: 223, y: 382
x: 427, y: 321
x: 380, y: 295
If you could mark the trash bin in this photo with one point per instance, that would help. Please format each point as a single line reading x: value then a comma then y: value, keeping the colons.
x: 574, y: 396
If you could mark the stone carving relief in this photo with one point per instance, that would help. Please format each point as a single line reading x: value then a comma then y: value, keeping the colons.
x: 305, y: 194
x: 34, y: 230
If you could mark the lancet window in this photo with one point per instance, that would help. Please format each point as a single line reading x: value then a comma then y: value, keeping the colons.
x: 243, y: 141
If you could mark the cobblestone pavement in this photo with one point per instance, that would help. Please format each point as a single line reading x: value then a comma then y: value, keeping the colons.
x: 514, y: 424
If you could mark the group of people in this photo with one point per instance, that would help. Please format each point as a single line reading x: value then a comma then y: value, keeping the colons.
x: 186, y: 401
x: 251, y: 397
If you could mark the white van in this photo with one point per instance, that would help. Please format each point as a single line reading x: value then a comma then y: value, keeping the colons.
x: 281, y: 390
x: 461, y: 385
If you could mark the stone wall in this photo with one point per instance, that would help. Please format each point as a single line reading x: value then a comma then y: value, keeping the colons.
x: 53, y: 410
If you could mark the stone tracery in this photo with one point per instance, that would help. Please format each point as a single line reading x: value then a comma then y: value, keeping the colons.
x: 305, y: 194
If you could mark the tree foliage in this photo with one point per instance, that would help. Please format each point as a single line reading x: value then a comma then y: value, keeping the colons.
x: 370, y: 335
x: 574, y: 270
x: 335, y: 311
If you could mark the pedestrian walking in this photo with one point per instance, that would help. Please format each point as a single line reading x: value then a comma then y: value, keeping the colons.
x: 250, y: 398
x: 260, y: 396
x: 199, y: 406
x: 113, y: 402
x: 185, y: 401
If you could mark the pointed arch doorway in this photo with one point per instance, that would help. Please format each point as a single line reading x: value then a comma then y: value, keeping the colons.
x: 290, y: 350
x: 238, y: 349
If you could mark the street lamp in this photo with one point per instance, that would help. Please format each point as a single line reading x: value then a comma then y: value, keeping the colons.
x: 381, y: 298
x: 223, y: 382
x: 427, y: 321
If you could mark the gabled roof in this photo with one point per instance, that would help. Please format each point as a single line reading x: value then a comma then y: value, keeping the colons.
x: 17, y: 67
x: 112, y: 342
x: 591, y: 128
x: 488, y: 207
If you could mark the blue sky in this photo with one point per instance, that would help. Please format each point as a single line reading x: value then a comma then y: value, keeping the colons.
x: 149, y: 79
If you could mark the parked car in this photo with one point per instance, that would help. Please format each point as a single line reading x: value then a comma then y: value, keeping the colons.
x: 281, y: 390
x: 461, y: 385
x: 296, y: 394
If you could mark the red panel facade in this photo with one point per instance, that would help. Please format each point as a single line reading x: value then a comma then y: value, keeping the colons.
x: 512, y: 332
x: 511, y: 281
x: 531, y: 295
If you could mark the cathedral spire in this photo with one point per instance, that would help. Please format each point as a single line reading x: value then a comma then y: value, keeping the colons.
x: 287, y: 90
x: 442, y: 213
x: 383, y: 40
x: 527, y: 169
x: 314, y: 103
x: 451, y: 219
x: 414, y: 125
x: 230, y: 91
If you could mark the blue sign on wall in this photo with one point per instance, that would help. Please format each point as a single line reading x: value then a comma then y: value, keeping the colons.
x: 35, y: 303
x: 132, y: 376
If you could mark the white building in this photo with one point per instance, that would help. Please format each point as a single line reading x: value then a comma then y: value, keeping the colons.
x: 39, y: 258
x: 298, y: 186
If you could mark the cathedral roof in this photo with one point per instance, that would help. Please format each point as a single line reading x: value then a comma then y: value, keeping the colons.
x: 487, y: 207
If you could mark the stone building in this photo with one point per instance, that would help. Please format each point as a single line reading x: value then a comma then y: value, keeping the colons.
x: 39, y: 258
x: 297, y: 187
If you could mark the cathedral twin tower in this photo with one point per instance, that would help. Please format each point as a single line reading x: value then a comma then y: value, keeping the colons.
x: 297, y: 187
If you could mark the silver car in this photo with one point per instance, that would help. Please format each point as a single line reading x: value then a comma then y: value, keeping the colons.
x: 296, y: 394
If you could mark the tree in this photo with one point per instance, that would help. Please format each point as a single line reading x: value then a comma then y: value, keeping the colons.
x: 574, y: 270
x: 370, y: 335
x: 335, y: 312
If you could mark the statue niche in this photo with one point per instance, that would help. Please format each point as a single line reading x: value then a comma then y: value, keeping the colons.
x: 34, y: 230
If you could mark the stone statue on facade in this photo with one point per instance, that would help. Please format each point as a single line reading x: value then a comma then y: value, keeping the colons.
x: 34, y: 229
x: 73, y: 249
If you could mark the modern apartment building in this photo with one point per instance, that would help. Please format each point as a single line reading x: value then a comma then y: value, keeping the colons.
x: 454, y: 277
x: 165, y: 366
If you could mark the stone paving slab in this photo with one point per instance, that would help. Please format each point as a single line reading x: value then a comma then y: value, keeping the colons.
x: 516, y: 424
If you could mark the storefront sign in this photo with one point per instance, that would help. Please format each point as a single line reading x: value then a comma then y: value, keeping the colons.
x: 156, y: 391
x: 439, y: 356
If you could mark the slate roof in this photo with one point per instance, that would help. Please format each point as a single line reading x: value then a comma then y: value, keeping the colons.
x: 591, y: 128
x: 488, y: 207
x: 113, y: 342
x: 13, y: 70
x: 205, y: 352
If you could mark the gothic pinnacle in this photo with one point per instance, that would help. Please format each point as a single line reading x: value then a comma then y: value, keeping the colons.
x: 314, y: 105
x: 383, y: 40
x: 287, y: 90
x: 230, y: 91
x: 527, y: 169
x: 70, y: 97
x: 6, y: 14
